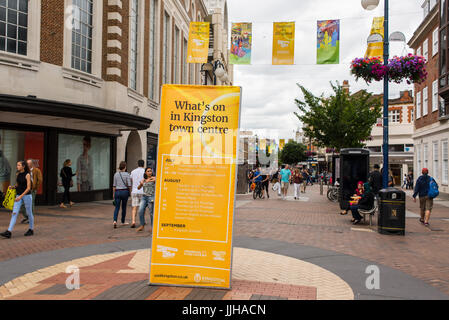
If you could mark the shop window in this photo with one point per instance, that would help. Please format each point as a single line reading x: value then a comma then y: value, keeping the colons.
x: 15, y: 146
x: 91, y: 161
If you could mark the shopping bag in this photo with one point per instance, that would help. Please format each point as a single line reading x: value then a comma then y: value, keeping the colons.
x: 10, y: 198
x: 253, y: 186
x: 276, y: 186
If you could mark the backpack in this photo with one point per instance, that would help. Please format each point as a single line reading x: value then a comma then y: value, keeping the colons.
x: 433, y: 189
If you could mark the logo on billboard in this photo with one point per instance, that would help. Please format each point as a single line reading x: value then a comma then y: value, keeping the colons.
x: 167, y: 252
x: 219, y: 255
x: 197, y: 278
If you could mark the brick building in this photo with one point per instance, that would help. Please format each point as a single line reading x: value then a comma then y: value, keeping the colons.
x: 82, y: 81
x: 431, y: 119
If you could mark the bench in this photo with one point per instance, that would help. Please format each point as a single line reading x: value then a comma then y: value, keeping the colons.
x: 370, y: 212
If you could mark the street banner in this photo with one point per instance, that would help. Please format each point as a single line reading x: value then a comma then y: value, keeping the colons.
x: 281, y: 144
x: 198, y: 45
x: 241, y: 40
x: 376, y: 49
x: 283, y: 43
x: 263, y: 145
x: 328, y: 42
x: 195, y: 186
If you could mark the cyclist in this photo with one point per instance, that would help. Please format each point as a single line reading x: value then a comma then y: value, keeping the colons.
x: 258, y: 178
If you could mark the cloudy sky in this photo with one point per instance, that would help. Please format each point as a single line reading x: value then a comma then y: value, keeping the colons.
x: 269, y: 91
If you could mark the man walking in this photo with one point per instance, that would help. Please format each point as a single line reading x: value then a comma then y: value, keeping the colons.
x: 285, y: 180
x: 425, y: 203
x: 136, y: 193
x: 36, y: 182
x: 305, y: 179
x: 375, y: 180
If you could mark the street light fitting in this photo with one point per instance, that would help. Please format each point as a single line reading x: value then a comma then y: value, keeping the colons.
x: 207, y: 67
x: 220, y: 72
x: 370, y: 4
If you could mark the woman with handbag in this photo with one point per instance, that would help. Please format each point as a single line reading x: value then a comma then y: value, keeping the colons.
x: 121, y: 191
x: 23, y: 196
x: 66, y: 175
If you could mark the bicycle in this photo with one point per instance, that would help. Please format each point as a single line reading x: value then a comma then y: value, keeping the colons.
x: 257, y: 191
x: 332, y: 194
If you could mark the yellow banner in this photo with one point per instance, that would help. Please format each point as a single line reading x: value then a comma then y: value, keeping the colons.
x: 198, y: 45
x: 263, y: 145
x: 376, y: 49
x: 195, y: 188
x: 283, y: 43
x: 281, y: 144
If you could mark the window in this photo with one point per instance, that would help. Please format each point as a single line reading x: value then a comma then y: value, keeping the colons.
x: 14, y: 26
x: 425, y: 49
x: 443, y: 52
x: 133, y: 54
x: 425, y: 99
x: 396, y: 148
x: 185, y: 76
x: 82, y: 35
x: 91, y: 159
x: 176, y: 63
x: 394, y: 116
x: 435, y: 96
x: 418, y: 105
x: 375, y: 149
x: 435, y: 42
x: 15, y: 146
x: 426, y: 155
x: 435, y: 161
x: 165, y: 46
x: 419, y: 52
x: 445, y: 158
x: 152, y: 57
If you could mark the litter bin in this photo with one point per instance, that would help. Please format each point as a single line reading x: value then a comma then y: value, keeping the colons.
x: 391, y: 218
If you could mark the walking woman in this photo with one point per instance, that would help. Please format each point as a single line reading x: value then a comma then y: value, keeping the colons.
x: 121, y: 191
x: 148, y: 185
x: 23, y: 196
x: 66, y: 175
x: 297, y: 180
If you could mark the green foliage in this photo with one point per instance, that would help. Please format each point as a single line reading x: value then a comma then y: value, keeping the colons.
x: 340, y: 121
x: 292, y: 153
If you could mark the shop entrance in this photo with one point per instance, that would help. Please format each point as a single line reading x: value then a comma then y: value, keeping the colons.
x: 133, y: 150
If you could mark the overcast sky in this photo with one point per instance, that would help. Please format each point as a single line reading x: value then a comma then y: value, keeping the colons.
x: 269, y: 91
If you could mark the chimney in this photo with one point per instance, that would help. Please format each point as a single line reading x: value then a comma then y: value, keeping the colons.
x: 346, y: 86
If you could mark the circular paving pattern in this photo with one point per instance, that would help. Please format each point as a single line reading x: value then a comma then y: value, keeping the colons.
x: 124, y: 275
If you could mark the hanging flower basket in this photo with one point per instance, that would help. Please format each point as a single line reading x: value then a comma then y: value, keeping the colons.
x: 368, y: 69
x: 411, y: 68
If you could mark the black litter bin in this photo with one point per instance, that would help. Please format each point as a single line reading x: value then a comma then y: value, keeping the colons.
x: 391, y: 211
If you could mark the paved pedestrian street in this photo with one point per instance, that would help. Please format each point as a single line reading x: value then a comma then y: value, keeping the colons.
x: 283, y: 249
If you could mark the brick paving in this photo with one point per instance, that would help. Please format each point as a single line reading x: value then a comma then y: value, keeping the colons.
x: 314, y: 222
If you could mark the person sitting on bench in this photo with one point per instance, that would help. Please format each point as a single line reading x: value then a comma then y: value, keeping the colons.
x: 366, y: 202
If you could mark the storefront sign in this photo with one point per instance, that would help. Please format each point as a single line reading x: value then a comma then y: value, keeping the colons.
x: 198, y: 45
x: 283, y: 43
x: 195, y: 188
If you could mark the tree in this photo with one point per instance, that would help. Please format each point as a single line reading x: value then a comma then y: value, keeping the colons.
x: 292, y: 153
x: 341, y: 120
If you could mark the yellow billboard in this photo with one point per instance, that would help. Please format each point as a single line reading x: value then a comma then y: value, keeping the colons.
x: 376, y: 49
x: 198, y: 45
x: 283, y: 43
x: 195, y: 187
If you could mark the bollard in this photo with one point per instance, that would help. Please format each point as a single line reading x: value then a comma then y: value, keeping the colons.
x: 321, y: 186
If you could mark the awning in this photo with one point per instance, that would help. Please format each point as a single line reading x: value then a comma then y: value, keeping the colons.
x: 34, y: 111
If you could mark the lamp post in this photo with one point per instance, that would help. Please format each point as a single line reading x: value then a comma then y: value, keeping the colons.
x: 370, y: 5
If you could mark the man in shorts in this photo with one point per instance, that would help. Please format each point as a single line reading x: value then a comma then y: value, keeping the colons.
x: 425, y: 203
x: 136, y: 194
x: 285, y: 180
